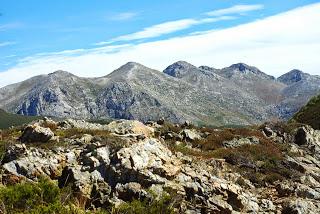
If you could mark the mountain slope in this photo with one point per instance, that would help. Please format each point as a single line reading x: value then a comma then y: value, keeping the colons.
x: 310, y: 114
x: 7, y: 120
x: 237, y: 95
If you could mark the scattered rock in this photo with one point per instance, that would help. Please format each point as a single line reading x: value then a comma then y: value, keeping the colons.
x: 131, y: 191
x: 268, y: 132
x: 240, y: 142
x: 300, y: 206
x: 161, y: 121
x: 86, y: 138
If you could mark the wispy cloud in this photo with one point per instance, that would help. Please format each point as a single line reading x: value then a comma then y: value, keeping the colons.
x: 178, y: 25
x: 165, y: 28
x: 9, y: 26
x: 236, y: 9
x: 4, y: 44
x: 123, y: 16
x: 9, y: 56
x: 289, y: 42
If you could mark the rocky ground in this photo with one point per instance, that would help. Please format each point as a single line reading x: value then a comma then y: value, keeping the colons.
x: 274, y: 168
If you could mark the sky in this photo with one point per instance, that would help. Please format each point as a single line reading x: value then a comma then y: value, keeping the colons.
x: 91, y: 38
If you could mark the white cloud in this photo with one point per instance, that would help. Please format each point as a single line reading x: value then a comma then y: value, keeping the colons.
x: 123, y: 16
x: 165, y: 28
x: 3, y: 44
x: 237, y: 9
x: 275, y: 44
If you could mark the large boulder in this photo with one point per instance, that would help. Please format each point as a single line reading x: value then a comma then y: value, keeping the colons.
x: 36, y: 133
x: 190, y: 134
x: 130, y: 127
x: 307, y: 135
x: 34, y: 162
x: 80, y: 180
x: 147, y: 161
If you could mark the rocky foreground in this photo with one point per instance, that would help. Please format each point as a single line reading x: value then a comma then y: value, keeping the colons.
x: 274, y: 168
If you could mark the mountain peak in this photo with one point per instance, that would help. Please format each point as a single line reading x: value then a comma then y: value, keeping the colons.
x: 179, y: 69
x: 129, y: 69
x: 292, y: 76
x: 130, y: 66
x: 244, y: 69
x: 60, y: 73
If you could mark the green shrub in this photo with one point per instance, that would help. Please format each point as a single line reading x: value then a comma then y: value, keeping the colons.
x: 161, y: 206
x: 27, y: 196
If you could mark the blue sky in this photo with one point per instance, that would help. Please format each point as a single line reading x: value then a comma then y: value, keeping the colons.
x: 37, y: 31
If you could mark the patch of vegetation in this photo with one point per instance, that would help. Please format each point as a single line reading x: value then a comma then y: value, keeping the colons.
x: 309, y: 114
x: 282, y: 127
x: 7, y: 119
x: 45, y: 197
x: 260, y: 163
x: 217, y: 136
x: 41, y: 197
x: 161, y: 206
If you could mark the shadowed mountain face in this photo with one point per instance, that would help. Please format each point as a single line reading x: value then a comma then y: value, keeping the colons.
x: 236, y: 95
x: 310, y: 114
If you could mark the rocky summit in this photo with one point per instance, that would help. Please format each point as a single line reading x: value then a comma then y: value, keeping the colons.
x: 236, y: 95
x: 128, y: 166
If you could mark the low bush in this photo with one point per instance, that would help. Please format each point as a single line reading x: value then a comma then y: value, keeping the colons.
x: 45, y: 197
x: 161, y: 206
x: 28, y: 196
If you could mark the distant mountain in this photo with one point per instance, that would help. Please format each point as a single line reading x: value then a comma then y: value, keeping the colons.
x: 293, y: 76
x: 237, y: 95
x: 7, y: 119
x: 310, y: 114
x: 300, y: 87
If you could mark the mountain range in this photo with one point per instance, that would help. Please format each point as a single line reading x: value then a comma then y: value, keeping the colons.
x: 236, y: 95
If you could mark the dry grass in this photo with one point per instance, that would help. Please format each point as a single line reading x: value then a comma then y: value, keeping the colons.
x: 218, y: 136
x: 261, y: 163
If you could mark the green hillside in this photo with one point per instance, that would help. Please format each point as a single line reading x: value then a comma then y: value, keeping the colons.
x: 7, y: 119
x: 310, y: 114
